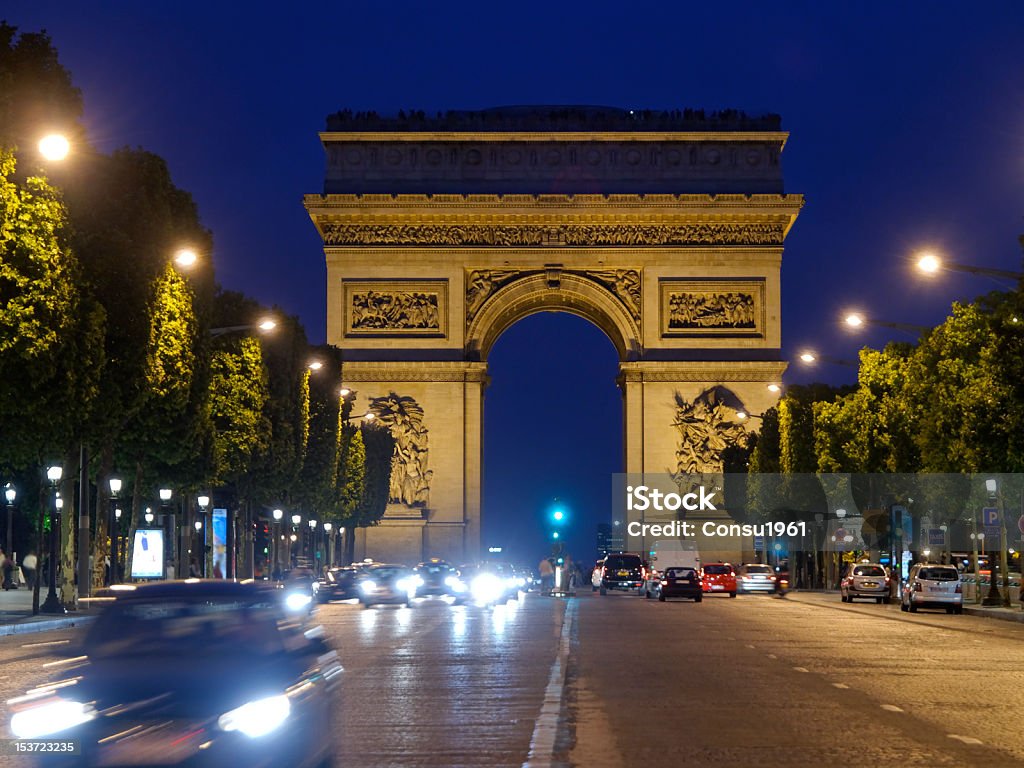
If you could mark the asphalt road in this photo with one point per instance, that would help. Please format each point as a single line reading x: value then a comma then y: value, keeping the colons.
x: 758, y: 681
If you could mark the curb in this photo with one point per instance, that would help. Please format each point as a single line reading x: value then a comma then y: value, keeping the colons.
x: 1003, y: 614
x: 44, y: 625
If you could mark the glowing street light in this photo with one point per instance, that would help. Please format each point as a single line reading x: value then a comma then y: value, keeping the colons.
x: 267, y: 325
x: 315, y: 365
x: 930, y: 264
x: 774, y: 388
x: 858, y: 320
x: 185, y: 257
x: 54, y: 147
x: 810, y: 357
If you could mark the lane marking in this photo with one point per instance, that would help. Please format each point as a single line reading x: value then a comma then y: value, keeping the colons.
x: 964, y: 739
x: 891, y: 708
x: 545, y: 731
x: 800, y: 669
x: 49, y: 642
x: 749, y: 646
x: 844, y: 686
x: 772, y: 656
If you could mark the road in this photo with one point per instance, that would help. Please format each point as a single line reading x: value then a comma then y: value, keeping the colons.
x: 751, y: 681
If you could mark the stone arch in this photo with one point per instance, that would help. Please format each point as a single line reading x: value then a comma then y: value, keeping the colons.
x: 553, y: 291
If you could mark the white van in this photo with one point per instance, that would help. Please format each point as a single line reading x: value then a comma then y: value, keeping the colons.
x: 670, y: 553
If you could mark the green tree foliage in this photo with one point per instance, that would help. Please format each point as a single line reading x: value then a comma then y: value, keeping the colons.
x: 353, y: 477
x: 238, y: 396
x: 317, y: 487
x: 380, y: 448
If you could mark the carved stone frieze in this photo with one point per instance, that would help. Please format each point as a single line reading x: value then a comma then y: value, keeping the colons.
x: 711, y: 310
x: 707, y: 426
x: 481, y: 284
x: 396, y: 307
x: 336, y: 234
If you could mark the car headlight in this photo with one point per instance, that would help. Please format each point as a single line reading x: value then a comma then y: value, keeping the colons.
x: 520, y: 582
x: 52, y: 716
x: 455, y: 584
x: 486, y: 588
x: 257, y: 718
x: 296, y: 601
x: 367, y: 586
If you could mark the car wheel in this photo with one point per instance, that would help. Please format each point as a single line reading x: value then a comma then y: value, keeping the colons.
x: 732, y: 594
x: 903, y: 606
x: 698, y: 598
x: 913, y: 608
x: 647, y: 594
x: 887, y: 600
x: 949, y: 609
x: 958, y: 610
x: 661, y: 598
x: 604, y: 591
x: 878, y: 601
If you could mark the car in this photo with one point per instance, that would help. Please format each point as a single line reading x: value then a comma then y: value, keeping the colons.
x: 490, y: 583
x: 198, y: 673
x: 867, y: 580
x: 679, y: 581
x: 932, y: 586
x: 757, y: 577
x: 439, y: 578
x: 719, y: 577
x: 595, y: 576
x: 387, y: 584
x: 340, y: 583
x: 623, y: 571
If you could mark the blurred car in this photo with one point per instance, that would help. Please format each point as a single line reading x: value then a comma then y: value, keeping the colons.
x: 679, y: 581
x: 197, y: 673
x: 384, y: 584
x: 490, y: 583
x: 932, y: 586
x: 438, y: 578
x: 867, y: 580
x: 623, y: 572
x: 719, y: 577
x: 757, y: 577
x: 338, y: 584
x: 595, y: 576
x: 298, y: 585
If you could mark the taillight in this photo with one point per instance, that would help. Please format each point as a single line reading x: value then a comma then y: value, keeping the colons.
x: 959, y: 589
x: 664, y: 583
x: 772, y: 578
x: 887, y: 579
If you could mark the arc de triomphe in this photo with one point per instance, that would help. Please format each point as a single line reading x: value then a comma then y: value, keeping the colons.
x: 664, y: 229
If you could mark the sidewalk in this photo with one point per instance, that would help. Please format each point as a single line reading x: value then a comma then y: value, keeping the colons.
x: 1014, y: 613
x: 16, y: 614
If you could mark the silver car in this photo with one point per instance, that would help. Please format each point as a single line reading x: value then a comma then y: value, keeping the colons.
x: 756, y: 577
x: 868, y: 580
x: 936, y: 586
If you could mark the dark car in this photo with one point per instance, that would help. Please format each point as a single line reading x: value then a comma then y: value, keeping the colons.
x: 384, y: 584
x: 624, y: 572
x: 338, y: 584
x: 680, y: 581
x: 438, y: 578
x: 198, y: 673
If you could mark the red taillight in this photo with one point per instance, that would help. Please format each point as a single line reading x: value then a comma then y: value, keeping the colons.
x: 664, y: 583
x: 887, y: 579
x: 959, y: 589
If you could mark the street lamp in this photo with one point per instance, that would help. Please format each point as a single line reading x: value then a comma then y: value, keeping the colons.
x: 267, y: 324
x: 995, y: 596
x: 52, y: 604
x: 54, y: 147
x: 185, y: 257
x: 315, y: 365
x: 204, y: 504
x: 312, y: 539
x: 810, y: 357
x: 278, y: 515
x: 859, y: 320
x: 930, y: 264
x: 149, y: 515
x: 10, y: 494
x: 112, y: 522
x: 328, y: 528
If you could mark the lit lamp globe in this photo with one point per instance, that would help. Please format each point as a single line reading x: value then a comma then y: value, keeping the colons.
x: 328, y: 527
x: 10, y: 494
x: 929, y: 263
x: 278, y: 514
x: 54, y: 147
x: 185, y: 257
x: 204, y: 501
x: 296, y: 519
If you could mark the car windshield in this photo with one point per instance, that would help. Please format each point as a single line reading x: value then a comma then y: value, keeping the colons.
x: 622, y: 561
x: 717, y: 570
x: 186, y: 628
x: 869, y: 570
x: 759, y: 569
x: 938, y: 574
x: 679, y: 573
x: 387, y: 573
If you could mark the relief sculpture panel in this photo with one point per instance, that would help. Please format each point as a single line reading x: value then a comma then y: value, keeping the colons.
x: 718, y: 307
x: 405, y: 308
x: 410, y: 476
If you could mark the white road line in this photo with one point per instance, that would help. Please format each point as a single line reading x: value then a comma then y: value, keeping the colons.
x: 545, y: 731
x: 41, y: 645
x: 800, y: 669
x: 891, y: 708
x: 772, y: 656
x: 749, y: 646
x: 964, y: 739
x: 844, y: 686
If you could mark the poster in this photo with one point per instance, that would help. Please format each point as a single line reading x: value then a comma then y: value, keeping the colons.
x: 148, y: 554
x: 220, y: 543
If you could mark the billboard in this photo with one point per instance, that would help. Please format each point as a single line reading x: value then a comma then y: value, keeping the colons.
x: 148, y: 554
x: 220, y: 543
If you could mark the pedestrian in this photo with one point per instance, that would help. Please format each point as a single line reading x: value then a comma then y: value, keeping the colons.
x: 28, y: 567
x: 547, y: 575
x: 7, y: 564
x: 193, y: 569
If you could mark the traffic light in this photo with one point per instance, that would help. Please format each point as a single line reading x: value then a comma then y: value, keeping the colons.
x: 560, y: 560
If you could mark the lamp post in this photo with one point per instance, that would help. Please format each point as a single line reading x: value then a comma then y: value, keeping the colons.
x: 976, y: 539
x: 10, y: 494
x: 165, y: 498
x: 859, y: 320
x: 996, y: 596
x: 53, y: 604
x: 118, y: 568
x: 312, y: 543
x: 930, y: 264
x: 293, y: 553
x: 112, y: 525
x: 203, y: 535
x: 329, y: 545
x: 275, y: 572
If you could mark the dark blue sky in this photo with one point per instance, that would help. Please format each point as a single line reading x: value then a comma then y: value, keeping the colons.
x: 906, y: 121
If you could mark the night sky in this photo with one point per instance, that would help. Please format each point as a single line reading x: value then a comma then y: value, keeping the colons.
x: 906, y: 123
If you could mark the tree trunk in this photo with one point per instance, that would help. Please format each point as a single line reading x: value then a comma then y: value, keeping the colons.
x: 101, y: 549
x: 68, y: 526
x: 132, y: 522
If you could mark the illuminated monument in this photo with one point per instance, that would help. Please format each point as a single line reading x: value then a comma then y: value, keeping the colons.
x: 664, y: 229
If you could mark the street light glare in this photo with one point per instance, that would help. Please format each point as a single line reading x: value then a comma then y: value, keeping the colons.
x: 854, y: 320
x: 370, y: 416
x: 316, y: 365
x: 774, y: 388
x: 267, y: 325
x: 185, y: 257
x: 741, y: 415
x: 54, y: 147
x: 808, y: 357
x: 929, y: 263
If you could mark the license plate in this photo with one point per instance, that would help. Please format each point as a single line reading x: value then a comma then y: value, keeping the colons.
x: 869, y: 584
x: 623, y: 573
x: 717, y: 586
x: 936, y: 589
